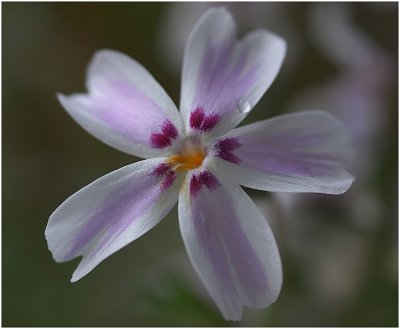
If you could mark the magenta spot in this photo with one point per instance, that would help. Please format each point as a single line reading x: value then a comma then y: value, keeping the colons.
x: 210, y: 122
x: 169, y: 130
x: 209, y: 180
x: 159, y: 141
x: 197, y: 118
x: 161, y: 169
x: 195, y: 184
x: 166, y: 171
x: 164, y: 139
x: 204, y: 178
x: 201, y: 122
x: 168, y: 180
x: 224, y: 148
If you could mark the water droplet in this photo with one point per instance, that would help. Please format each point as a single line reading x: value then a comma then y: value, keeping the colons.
x: 244, y: 106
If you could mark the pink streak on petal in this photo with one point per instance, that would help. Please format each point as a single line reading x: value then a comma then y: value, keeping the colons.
x: 226, y: 245
x: 288, y: 155
x: 126, y: 205
x: 147, y: 196
x: 123, y: 208
x: 136, y: 208
x: 222, y: 84
x: 126, y: 110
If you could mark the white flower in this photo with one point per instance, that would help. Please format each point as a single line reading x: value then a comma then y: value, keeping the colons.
x: 198, y: 159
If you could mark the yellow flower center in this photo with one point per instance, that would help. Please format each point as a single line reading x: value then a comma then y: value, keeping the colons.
x: 190, y: 156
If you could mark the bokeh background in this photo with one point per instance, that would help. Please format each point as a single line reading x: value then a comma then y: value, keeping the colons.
x: 339, y: 253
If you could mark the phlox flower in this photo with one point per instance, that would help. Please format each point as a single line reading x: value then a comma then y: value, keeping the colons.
x: 194, y: 157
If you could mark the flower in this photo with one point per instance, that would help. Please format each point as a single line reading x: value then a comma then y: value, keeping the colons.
x: 195, y: 156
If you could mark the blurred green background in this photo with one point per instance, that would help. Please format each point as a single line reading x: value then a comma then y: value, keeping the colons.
x: 339, y: 253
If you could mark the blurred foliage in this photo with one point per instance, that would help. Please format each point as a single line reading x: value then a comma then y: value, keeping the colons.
x: 47, y: 157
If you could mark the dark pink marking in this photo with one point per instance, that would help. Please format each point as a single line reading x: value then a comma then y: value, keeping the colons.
x: 210, y: 121
x: 168, y: 180
x: 161, y: 169
x: 159, y: 141
x: 164, y: 139
x: 209, y: 180
x: 225, y: 147
x: 204, y: 178
x: 169, y: 130
x: 197, y: 118
x: 195, y: 184
x: 202, y: 122
x: 165, y: 170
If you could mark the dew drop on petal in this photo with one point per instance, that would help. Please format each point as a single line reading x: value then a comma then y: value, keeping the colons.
x: 244, y: 106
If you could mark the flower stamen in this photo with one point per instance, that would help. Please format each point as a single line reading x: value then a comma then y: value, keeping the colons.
x: 190, y: 157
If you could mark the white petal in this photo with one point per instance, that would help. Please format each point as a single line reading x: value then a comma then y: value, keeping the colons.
x: 303, y: 152
x: 224, y: 77
x: 111, y: 212
x: 125, y: 107
x: 229, y: 244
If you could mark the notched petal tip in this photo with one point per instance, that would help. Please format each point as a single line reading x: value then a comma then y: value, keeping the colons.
x: 105, y: 52
x: 218, y: 16
x: 100, y: 57
x: 268, y: 37
x: 218, y: 11
x: 61, y: 98
x: 100, y: 60
x: 76, y: 276
x: 220, y: 70
x: 69, y: 103
x: 122, y: 103
x: 110, y: 213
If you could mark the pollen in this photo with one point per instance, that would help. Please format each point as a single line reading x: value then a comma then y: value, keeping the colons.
x: 190, y: 157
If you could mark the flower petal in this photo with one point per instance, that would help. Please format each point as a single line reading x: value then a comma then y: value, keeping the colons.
x: 302, y: 152
x: 111, y: 212
x: 223, y: 79
x: 125, y: 108
x: 229, y: 244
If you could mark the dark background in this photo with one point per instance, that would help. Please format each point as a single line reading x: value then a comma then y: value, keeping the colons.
x: 339, y: 253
